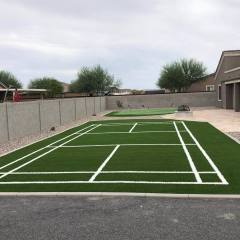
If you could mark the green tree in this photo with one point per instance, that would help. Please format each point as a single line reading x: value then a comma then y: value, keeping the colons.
x: 94, y: 80
x: 180, y: 75
x: 9, y: 80
x: 51, y: 84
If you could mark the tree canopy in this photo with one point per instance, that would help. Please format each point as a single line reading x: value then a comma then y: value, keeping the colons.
x: 9, y: 80
x: 94, y: 80
x: 180, y: 75
x: 51, y: 84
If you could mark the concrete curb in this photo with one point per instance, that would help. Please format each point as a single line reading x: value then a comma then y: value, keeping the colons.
x: 123, y: 194
x: 232, y: 137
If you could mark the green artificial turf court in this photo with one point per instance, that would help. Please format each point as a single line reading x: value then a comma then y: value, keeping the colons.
x: 141, y: 112
x: 162, y: 156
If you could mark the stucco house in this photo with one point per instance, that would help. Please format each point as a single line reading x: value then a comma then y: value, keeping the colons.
x: 66, y: 87
x: 227, y: 80
x: 207, y: 84
x: 2, y: 86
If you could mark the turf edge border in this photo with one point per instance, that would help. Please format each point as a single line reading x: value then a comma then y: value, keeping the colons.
x: 233, y: 138
x: 122, y: 194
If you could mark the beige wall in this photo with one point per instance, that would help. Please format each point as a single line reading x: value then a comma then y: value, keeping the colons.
x: 27, y: 118
x: 3, y: 123
x: 200, y: 86
x: 163, y: 100
x: 227, y: 63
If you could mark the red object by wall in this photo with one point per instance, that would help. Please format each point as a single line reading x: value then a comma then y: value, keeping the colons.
x: 17, y: 96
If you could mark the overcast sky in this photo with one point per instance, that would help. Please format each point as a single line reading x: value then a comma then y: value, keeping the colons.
x: 133, y: 39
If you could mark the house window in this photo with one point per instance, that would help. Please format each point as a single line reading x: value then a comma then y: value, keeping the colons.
x: 220, y: 92
x: 209, y: 88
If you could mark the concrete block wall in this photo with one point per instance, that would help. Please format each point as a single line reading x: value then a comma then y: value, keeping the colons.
x: 67, y: 110
x: 27, y: 118
x: 81, y: 111
x: 23, y: 119
x: 103, y: 104
x: 90, y: 106
x: 49, y: 114
x: 97, y: 104
x: 3, y: 123
x: 200, y: 99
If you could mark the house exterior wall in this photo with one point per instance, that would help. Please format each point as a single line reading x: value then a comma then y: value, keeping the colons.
x: 228, y: 61
x: 200, y: 86
x: 236, y: 100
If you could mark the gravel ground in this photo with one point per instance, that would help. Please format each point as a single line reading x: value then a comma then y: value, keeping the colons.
x: 10, y: 146
x: 115, y: 218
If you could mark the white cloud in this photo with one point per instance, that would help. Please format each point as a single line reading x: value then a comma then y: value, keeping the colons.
x: 132, y: 38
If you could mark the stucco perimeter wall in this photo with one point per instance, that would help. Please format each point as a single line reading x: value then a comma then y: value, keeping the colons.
x: 67, y: 111
x: 49, y: 113
x: 81, y: 111
x: 23, y: 119
x: 97, y: 104
x: 28, y: 118
x: 90, y: 106
x: 103, y: 104
x: 201, y: 99
x: 3, y: 123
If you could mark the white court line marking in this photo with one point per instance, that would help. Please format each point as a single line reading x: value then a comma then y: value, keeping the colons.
x: 166, y: 122
x: 134, y: 144
x: 21, y: 158
x: 53, y: 149
x: 192, y: 165
x: 140, y: 123
x: 133, y: 132
x: 110, y: 182
x: 130, y: 131
x: 160, y: 172
x: 214, y: 167
x: 103, y: 164
x: 105, y: 172
x: 48, y: 173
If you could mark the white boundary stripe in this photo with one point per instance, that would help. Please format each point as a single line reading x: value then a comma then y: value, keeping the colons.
x: 133, y: 144
x: 158, y: 172
x: 133, y: 132
x: 130, y: 131
x: 192, y: 165
x: 140, y: 123
x: 48, y: 173
x: 214, y: 167
x: 163, y: 122
x: 53, y: 149
x: 103, y: 164
x: 111, y: 182
x: 21, y: 158
x: 105, y: 172
x: 115, y: 124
